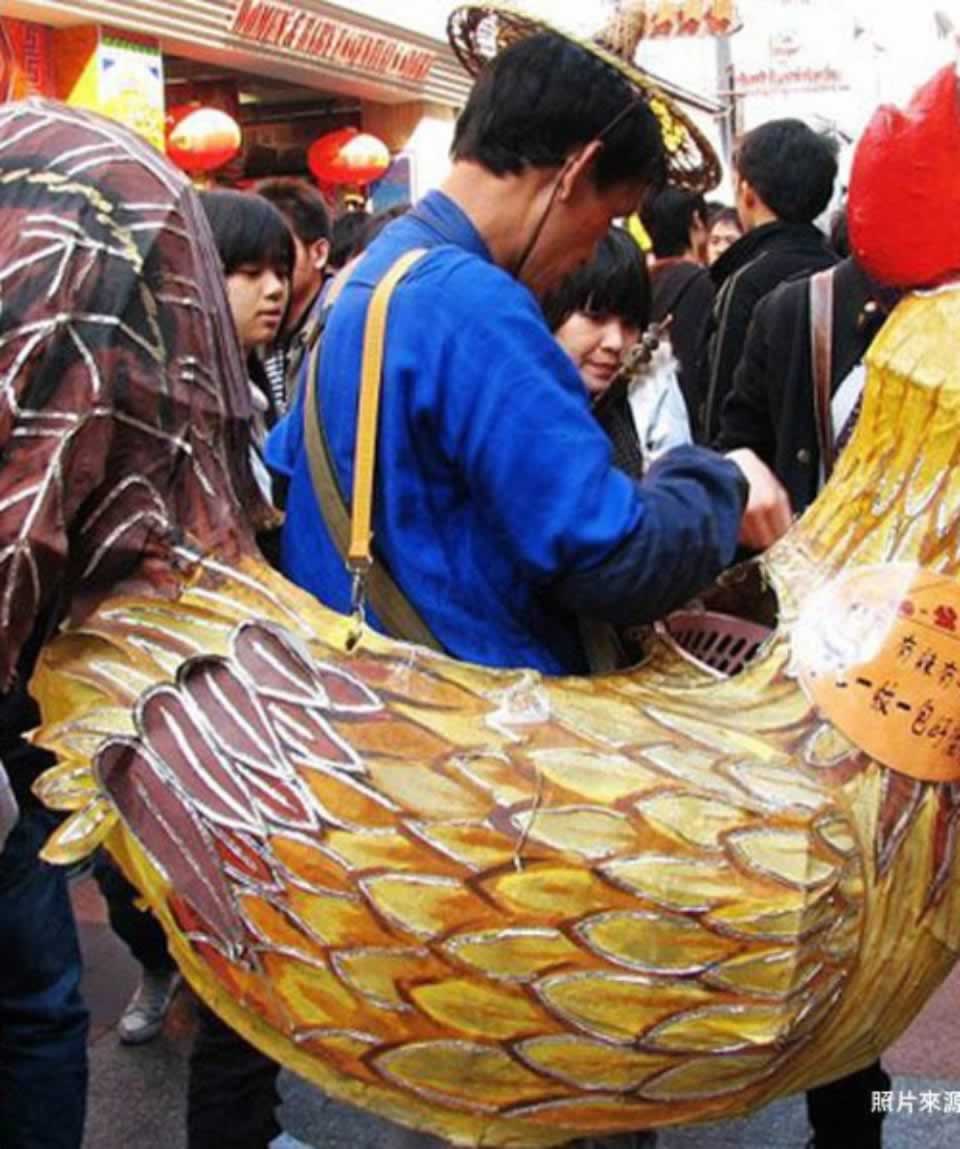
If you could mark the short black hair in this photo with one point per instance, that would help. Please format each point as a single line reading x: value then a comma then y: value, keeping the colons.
x: 790, y: 167
x: 376, y: 223
x: 348, y: 229
x: 303, y: 207
x: 248, y: 229
x: 716, y: 207
x: 542, y: 98
x: 614, y: 282
x: 668, y: 217
x: 724, y: 214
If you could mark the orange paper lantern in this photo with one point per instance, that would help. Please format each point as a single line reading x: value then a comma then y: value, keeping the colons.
x: 201, y: 139
x: 348, y: 157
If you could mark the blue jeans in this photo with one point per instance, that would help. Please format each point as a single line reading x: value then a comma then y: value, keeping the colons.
x: 43, y: 1021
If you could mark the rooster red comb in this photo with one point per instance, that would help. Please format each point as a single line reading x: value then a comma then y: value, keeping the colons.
x: 904, y: 206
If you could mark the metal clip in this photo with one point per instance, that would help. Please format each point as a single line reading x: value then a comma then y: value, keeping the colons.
x: 359, y: 570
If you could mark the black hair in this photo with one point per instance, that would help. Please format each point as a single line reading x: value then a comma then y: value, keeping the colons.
x: 668, y: 217
x: 375, y: 224
x: 715, y: 208
x: 542, y: 98
x: 840, y: 232
x: 725, y: 214
x: 248, y: 229
x: 302, y: 206
x: 348, y: 229
x: 790, y: 167
x: 614, y: 282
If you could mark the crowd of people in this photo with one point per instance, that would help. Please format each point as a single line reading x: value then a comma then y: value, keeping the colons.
x: 578, y: 435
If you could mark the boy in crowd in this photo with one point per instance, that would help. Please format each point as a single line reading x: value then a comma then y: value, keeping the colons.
x: 784, y: 179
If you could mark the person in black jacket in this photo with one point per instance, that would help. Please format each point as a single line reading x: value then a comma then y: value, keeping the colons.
x: 771, y: 411
x: 784, y: 179
x: 307, y: 216
x: 675, y: 220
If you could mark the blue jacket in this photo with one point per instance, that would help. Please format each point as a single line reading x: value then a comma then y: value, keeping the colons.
x: 497, y: 508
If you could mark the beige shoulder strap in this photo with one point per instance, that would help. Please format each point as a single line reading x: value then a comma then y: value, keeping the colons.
x: 351, y: 530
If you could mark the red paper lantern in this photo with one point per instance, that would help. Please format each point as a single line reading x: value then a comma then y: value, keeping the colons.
x: 348, y: 157
x: 201, y: 139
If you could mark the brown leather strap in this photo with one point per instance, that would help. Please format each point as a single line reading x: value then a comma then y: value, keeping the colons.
x: 821, y: 354
x: 351, y: 537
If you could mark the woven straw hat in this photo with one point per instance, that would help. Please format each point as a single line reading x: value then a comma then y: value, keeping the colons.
x: 479, y: 32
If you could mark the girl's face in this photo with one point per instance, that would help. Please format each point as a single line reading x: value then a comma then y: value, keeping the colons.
x: 722, y: 235
x: 258, y: 299
x: 596, y: 344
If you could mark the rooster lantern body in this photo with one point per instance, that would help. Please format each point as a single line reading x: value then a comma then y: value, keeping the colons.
x: 506, y: 909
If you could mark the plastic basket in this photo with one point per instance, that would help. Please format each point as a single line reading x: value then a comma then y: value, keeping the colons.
x: 721, y: 643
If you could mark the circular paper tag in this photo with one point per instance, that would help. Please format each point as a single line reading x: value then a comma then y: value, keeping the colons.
x: 879, y: 652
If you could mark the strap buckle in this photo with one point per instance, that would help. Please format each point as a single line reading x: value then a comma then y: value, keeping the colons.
x: 359, y: 570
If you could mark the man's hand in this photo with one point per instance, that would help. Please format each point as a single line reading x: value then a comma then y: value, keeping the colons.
x: 768, y: 514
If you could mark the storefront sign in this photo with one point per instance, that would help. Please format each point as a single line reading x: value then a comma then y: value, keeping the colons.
x: 116, y: 73
x: 768, y: 81
x: 131, y: 83
x: 671, y: 18
x: 793, y: 46
x: 312, y: 35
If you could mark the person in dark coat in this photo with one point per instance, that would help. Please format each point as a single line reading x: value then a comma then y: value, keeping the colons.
x: 308, y: 217
x: 771, y: 412
x: 784, y: 179
x: 675, y: 220
x: 770, y: 409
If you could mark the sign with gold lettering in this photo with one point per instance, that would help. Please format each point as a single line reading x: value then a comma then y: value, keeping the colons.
x: 317, y: 37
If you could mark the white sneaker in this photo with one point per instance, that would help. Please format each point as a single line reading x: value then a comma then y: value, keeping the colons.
x: 287, y: 1141
x: 143, y: 1018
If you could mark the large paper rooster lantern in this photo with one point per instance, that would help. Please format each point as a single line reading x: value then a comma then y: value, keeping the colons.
x: 508, y: 909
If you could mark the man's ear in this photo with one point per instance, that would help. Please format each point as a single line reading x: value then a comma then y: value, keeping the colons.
x: 319, y: 253
x: 745, y: 199
x: 577, y: 170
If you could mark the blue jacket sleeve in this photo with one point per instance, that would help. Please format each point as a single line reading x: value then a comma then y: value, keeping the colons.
x: 692, y: 503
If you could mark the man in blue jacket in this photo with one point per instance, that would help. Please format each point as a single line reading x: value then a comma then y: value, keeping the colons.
x: 498, y: 510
